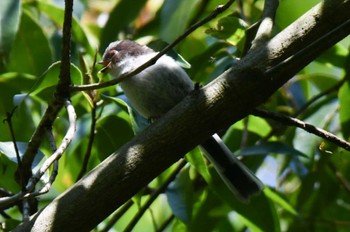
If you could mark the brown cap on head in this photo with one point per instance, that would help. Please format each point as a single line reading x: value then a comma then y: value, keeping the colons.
x: 118, y: 50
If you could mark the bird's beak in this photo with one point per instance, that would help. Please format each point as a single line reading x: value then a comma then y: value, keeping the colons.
x: 106, y: 65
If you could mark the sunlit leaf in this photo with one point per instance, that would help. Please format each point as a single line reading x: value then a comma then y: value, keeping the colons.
x: 171, y: 13
x: 51, y: 76
x: 230, y: 28
x: 196, y: 159
x: 344, y: 111
x: 280, y: 201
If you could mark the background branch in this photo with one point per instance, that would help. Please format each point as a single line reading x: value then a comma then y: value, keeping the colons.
x: 61, y: 94
x: 267, y: 22
x: 303, y: 125
x: 46, y: 165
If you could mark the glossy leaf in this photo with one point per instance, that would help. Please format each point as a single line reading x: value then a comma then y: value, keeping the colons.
x: 9, y: 164
x: 344, y: 112
x: 31, y: 52
x: 252, y: 217
x: 137, y: 121
x: 51, y: 76
x: 119, y: 19
x: 171, y: 12
x: 280, y: 201
x: 56, y: 14
x: 180, y: 196
x: 9, y: 22
x: 113, y: 132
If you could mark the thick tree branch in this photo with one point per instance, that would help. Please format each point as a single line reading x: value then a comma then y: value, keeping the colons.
x: 226, y: 100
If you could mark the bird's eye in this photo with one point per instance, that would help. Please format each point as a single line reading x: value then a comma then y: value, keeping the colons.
x: 110, y: 55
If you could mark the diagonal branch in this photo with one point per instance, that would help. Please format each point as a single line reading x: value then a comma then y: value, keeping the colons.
x: 303, y: 125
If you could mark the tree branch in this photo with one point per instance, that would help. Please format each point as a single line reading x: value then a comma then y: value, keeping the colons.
x: 27, y: 193
x: 62, y: 93
x: 289, y: 121
x: 265, y: 29
x: 226, y: 100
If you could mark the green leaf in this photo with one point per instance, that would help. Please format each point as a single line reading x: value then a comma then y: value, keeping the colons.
x: 180, y: 196
x: 230, y: 27
x: 51, y: 75
x: 56, y: 14
x: 8, y: 149
x: 9, y: 22
x: 119, y: 19
x: 175, y: 17
x: 344, y: 111
x: 268, y: 148
x: 159, y: 45
x: 8, y: 163
x: 336, y: 55
x: 31, y: 52
x: 11, y: 84
x: 209, y: 210
x: 113, y: 132
x: 137, y: 121
x: 290, y: 10
x: 280, y: 201
x: 256, y: 125
x: 253, y: 218
x: 196, y: 159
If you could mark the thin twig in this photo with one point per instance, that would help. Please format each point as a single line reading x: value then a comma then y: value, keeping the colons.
x: 55, y: 156
x: 117, y: 215
x: 60, y: 150
x: 153, y: 60
x: 166, y: 223
x: 343, y: 181
x: 154, y: 195
x: 8, y: 119
x: 303, y: 125
x: 48, y: 184
x: 90, y: 142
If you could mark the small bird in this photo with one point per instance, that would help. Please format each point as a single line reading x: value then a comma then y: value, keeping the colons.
x: 157, y: 89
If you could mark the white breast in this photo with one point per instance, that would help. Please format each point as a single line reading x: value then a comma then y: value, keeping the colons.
x: 158, y: 88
